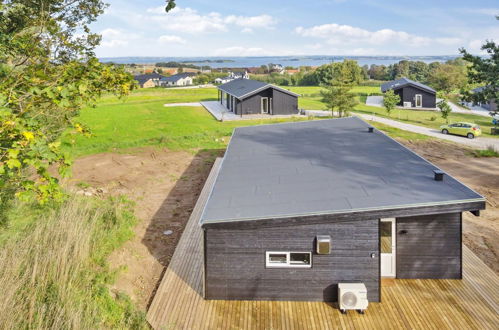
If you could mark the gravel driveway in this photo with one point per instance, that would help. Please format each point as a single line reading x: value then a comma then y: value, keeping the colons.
x: 478, y: 143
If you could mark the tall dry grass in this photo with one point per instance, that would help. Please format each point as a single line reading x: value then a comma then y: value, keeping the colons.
x: 48, y: 275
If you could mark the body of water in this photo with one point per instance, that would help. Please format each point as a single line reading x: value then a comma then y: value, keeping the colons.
x: 294, y: 61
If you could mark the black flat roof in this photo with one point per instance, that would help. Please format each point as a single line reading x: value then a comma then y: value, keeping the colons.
x: 242, y: 88
x: 322, y: 167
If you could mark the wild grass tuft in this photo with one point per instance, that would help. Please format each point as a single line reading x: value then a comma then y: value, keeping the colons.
x: 489, y: 152
x: 54, y: 274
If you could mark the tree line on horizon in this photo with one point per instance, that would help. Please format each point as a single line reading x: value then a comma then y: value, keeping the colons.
x: 443, y: 76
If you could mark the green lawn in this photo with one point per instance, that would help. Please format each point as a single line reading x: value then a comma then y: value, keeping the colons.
x: 428, y: 118
x: 311, y: 99
x: 142, y: 120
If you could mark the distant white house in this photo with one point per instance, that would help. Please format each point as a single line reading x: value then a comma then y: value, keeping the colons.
x: 180, y: 79
x: 232, y: 76
x: 277, y: 68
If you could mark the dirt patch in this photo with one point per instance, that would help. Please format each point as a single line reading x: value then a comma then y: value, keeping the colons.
x: 480, y: 234
x: 165, y: 186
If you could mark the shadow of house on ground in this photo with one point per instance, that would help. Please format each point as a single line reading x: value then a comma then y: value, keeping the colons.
x: 168, y: 223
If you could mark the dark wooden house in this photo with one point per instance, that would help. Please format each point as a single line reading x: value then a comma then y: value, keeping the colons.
x: 250, y: 97
x: 383, y: 210
x: 490, y: 104
x: 412, y: 93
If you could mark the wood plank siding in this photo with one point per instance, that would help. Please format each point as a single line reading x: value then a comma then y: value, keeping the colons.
x: 470, y: 303
x: 429, y: 246
x: 235, y: 261
x: 408, y: 94
x: 282, y: 103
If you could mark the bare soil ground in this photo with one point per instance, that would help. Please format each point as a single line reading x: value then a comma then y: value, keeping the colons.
x: 165, y: 186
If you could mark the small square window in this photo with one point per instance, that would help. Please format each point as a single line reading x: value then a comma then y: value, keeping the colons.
x: 299, y: 258
x: 278, y: 258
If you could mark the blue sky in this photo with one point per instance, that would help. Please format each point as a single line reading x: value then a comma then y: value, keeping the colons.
x: 293, y: 27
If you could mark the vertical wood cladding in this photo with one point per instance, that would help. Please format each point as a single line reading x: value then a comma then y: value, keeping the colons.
x: 429, y: 247
x: 235, y: 261
x: 409, y: 95
x: 282, y: 103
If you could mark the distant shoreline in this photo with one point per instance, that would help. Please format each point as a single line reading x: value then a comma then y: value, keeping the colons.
x: 221, y: 62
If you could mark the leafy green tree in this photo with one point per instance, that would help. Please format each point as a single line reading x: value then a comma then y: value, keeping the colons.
x: 349, y: 71
x: 170, y: 4
x: 448, y: 77
x: 445, y: 109
x: 338, y: 95
x: 419, y: 71
x: 483, y: 71
x: 390, y: 101
x: 201, y: 79
x: 48, y: 72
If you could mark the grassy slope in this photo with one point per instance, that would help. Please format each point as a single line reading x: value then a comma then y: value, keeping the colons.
x: 59, y: 277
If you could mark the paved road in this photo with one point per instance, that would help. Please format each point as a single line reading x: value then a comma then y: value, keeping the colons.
x: 377, y: 101
x: 474, y: 110
x: 478, y: 143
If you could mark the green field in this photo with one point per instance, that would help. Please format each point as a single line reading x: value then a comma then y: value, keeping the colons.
x: 142, y: 120
x: 311, y: 99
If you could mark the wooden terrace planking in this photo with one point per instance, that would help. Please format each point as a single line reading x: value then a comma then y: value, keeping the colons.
x: 471, y: 303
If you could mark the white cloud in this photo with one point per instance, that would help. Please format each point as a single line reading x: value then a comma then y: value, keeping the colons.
x: 247, y: 30
x: 113, y: 38
x: 187, y: 20
x: 170, y: 39
x: 346, y: 35
x: 262, y: 21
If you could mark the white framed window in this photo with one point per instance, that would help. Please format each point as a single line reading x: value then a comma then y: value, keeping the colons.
x: 279, y: 259
x: 419, y: 100
x: 265, y: 105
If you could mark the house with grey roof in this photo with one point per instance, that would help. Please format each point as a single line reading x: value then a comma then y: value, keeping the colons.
x: 249, y: 97
x: 298, y: 208
x: 148, y: 80
x: 490, y: 105
x: 232, y: 76
x: 412, y: 93
x: 179, y: 79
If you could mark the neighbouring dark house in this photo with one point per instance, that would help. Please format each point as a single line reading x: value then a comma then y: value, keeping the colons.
x: 412, y: 93
x: 148, y: 80
x: 249, y: 97
x: 383, y: 210
x: 490, y: 105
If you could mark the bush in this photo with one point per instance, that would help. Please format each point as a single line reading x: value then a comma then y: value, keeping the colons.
x: 54, y: 274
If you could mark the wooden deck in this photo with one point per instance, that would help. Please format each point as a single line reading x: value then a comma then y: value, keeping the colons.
x: 471, y: 303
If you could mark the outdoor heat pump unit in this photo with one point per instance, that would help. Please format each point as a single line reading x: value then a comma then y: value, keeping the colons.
x: 407, y: 105
x: 323, y: 244
x: 352, y: 296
